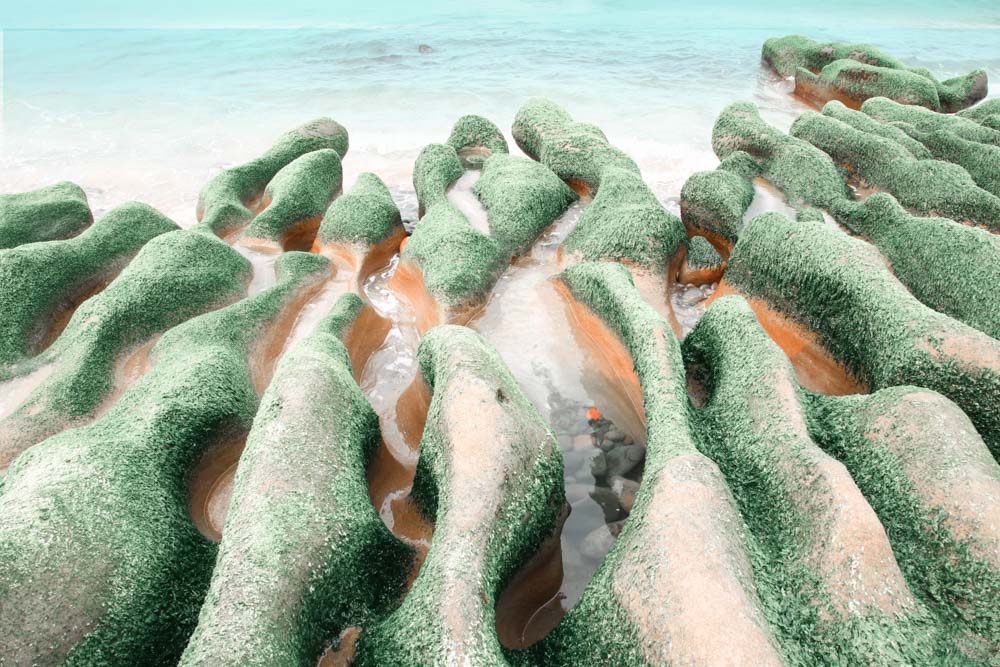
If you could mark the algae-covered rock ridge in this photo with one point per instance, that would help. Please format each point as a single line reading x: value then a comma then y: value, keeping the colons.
x: 302, y: 433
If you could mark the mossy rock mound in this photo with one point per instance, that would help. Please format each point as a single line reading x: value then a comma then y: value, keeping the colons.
x: 304, y: 554
x: 175, y: 276
x: 626, y: 222
x: 925, y: 120
x: 865, y: 123
x: 37, y: 279
x: 714, y: 202
x: 494, y: 501
x: 926, y: 186
x: 953, y: 268
x: 858, y: 81
x: 114, y: 495
x: 805, y: 174
x: 55, y: 212
x: 522, y: 197
x: 792, y: 52
x: 366, y: 216
x: 299, y: 194
x: 223, y: 204
x: 477, y: 136
x: 576, y: 152
x: 840, y: 288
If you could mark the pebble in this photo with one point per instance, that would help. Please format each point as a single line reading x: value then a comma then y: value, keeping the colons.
x: 625, y: 490
x: 692, y: 296
x: 599, y: 465
x: 609, y: 503
x: 622, y: 460
x: 615, y: 434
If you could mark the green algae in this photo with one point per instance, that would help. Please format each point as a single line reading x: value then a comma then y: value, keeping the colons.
x: 36, y: 278
x: 702, y: 255
x: 840, y: 288
x: 521, y: 197
x: 55, y: 212
x: 299, y: 192
x: 865, y: 123
x: 787, y: 54
x: 223, y: 204
x: 716, y: 201
x: 366, y: 215
x: 830, y: 595
x: 925, y: 120
x: 954, y: 269
x: 932, y: 482
x: 860, y: 81
x: 459, y: 264
x: 113, y: 495
x: 982, y: 161
x: 626, y: 222
x: 493, y: 504
x: 175, y: 276
x: 610, y: 625
x: 926, y: 186
x: 981, y: 111
x: 475, y: 132
x: 574, y: 151
x: 804, y: 173
x: 304, y: 554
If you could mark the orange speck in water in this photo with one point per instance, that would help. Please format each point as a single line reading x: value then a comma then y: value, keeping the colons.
x: 593, y: 413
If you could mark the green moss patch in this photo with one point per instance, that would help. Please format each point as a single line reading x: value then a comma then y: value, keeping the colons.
x: 522, y: 197
x: 304, y: 553
x: 574, y: 151
x: 494, y: 501
x: 716, y: 201
x: 925, y: 120
x: 174, y: 277
x: 926, y: 186
x: 859, y: 81
x: 366, y: 215
x: 55, y: 212
x: 113, y: 495
x: 840, y: 288
x: 792, y: 52
x: 223, y: 202
x: 804, y: 173
x: 37, y: 278
x: 300, y: 191
x: 865, y: 123
x: 475, y: 132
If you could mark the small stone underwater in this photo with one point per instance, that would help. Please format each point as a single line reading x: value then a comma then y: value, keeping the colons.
x: 556, y: 421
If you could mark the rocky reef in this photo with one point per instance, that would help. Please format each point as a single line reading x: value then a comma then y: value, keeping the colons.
x: 47, y: 214
x: 217, y: 449
x: 857, y: 72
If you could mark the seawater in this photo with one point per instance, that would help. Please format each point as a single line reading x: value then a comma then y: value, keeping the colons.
x: 151, y: 114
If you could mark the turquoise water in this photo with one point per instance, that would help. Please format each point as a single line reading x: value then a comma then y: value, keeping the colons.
x: 151, y: 114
